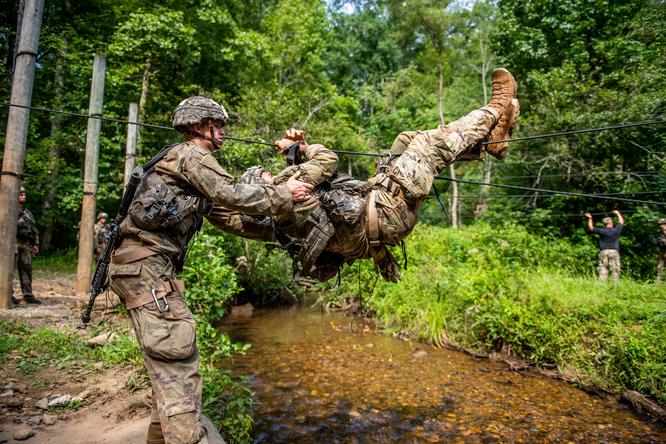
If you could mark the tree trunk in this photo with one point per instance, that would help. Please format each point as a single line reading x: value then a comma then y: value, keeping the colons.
x: 145, y: 85
x: 56, y: 143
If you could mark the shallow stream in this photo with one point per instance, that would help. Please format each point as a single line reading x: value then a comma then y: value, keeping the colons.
x: 316, y: 381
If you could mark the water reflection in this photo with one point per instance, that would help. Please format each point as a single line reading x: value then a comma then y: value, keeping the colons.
x: 316, y: 381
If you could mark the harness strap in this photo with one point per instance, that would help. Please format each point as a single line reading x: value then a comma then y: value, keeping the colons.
x: 391, y: 186
x: 174, y: 286
x: 373, y: 220
x: 133, y: 255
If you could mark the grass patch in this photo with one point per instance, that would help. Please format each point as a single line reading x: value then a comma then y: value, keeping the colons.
x: 31, y: 350
x: 56, y: 263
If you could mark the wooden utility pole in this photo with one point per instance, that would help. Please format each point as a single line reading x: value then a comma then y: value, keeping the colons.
x: 130, y: 147
x: 86, y: 228
x: 15, y: 139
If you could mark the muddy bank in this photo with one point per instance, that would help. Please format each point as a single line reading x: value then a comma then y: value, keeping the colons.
x: 62, y: 404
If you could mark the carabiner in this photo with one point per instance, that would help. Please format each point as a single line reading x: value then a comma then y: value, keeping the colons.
x: 157, y: 303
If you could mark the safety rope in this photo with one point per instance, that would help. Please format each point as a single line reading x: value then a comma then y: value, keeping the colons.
x: 543, y: 190
x: 354, y: 153
x: 562, y: 133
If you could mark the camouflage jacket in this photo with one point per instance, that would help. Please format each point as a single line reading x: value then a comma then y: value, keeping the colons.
x: 26, y: 232
x: 319, y: 165
x: 190, y: 169
x: 101, y: 234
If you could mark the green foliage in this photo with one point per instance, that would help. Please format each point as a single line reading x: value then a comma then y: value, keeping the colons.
x: 34, y: 349
x: 211, y: 284
x: 504, y: 289
x: 211, y: 281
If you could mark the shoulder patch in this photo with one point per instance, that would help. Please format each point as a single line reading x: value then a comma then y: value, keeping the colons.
x: 210, y: 162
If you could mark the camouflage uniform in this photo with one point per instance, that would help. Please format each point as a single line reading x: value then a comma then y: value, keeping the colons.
x: 26, y: 237
x: 395, y: 194
x: 661, y: 242
x: 144, y: 266
x: 101, y: 234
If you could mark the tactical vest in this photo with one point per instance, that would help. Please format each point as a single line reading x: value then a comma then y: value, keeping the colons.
x: 25, y: 230
x: 156, y: 207
x: 342, y: 201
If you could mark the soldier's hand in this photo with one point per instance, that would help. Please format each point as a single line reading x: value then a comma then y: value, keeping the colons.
x: 294, y: 134
x: 283, y: 144
x: 588, y: 215
x: 300, y: 191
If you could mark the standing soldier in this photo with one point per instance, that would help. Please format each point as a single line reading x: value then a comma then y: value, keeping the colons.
x: 609, y: 245
x: 184, y: 186
x: 661, y: 242
x: 27, y: 246
x: 101, y: 234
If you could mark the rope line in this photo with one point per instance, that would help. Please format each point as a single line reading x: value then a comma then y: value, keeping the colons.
x: 543, y: 190
x: 356, y: 153
x: 591, y: 173
x: 528, y: 195
x: 563, y: 133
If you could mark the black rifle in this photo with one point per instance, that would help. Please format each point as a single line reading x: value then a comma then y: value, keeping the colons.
x: 100, y: 280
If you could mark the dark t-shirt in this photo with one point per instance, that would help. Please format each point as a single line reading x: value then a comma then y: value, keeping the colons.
x: 609, y: 238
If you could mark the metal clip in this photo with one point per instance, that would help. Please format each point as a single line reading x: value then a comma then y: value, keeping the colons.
x: 157, y: 303
x: 384, y: 161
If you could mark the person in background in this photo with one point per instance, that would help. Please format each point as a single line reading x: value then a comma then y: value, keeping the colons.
x: 101, y: 234
x: 27, y: 246
x: 609, y: 245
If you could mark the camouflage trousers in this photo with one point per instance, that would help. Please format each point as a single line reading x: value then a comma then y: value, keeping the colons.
x: 425, y: 156
x: 23, y: 260
x: 609, y: 260
x: 168, y: 348
x: 660, y: 266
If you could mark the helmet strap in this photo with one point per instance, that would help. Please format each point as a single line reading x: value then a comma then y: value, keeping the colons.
x: 216, y: 144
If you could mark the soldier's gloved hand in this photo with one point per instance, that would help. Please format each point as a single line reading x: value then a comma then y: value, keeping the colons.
x: 300, y: 191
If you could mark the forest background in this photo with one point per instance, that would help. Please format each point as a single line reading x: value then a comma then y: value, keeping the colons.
x: 517, y: 278
x: 353, y: 74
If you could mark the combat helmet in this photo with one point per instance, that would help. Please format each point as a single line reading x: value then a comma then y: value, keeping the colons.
x: 662, y: 221
x: 102, y: 216
x: 197, y: 109
x: 22, y: 190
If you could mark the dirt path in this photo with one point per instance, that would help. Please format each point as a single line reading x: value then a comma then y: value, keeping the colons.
x: 109, y: 412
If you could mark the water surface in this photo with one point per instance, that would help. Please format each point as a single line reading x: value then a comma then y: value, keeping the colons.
x: 316, y: 381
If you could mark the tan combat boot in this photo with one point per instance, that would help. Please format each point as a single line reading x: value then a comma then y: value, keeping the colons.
x: 503, y: 100
x: 155, y: 435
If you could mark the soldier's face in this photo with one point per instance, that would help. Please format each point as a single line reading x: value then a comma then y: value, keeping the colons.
x: 204, y: 129
x: 102, y: 220
x: 663, y: 228
x: 22, y: 197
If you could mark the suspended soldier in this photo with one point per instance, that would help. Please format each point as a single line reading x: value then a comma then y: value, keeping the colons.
x: 27, y: 246
x: 661, y: 243
x: 349, y: 219
x: 101, y: 233
x: 184, y: 186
